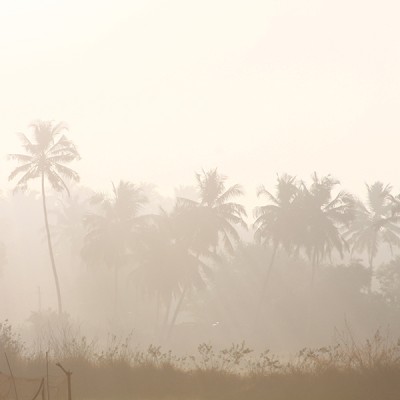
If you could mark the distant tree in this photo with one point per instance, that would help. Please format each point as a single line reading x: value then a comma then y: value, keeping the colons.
x: 44, y: 159
x: 213, y: 218
x: 389, y: 281
x: 275, y: 222
x: 112, y: 232
x: 375, y: 223
x: 68, y: 229
x: 166, y: 266
x: 321, y: 218
x: 210, y: 221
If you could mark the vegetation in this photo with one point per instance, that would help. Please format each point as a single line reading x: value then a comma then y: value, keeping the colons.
x: 197, y: 267
x: 345, y: 370
x: 45, y: 158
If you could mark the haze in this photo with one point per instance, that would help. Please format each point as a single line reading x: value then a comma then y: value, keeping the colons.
x: 153, y: 91
x: 201, y: 176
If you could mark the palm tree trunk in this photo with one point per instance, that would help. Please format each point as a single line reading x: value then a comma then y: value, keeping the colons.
x: 53, y: 263
x: 115, y: 290
x: 371, y: 272
x: 269, y: 270
x: 166, y: 316
x: 314, y: 267
x: 265, y: 284
x: 158, y: 305
x: 177, y: 310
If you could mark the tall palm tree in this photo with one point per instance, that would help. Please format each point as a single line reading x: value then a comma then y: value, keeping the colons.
x: 275, y: 221
x: 322, y: 216
x: 213, y: 219
x: 45, y: 157
x: 209, y: 222
x: 112, y: 232
x: 375, y: 223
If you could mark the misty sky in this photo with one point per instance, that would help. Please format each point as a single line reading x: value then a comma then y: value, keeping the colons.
x: 154, y: 90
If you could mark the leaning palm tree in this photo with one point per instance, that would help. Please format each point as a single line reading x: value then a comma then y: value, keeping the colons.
x: 375, y: 223
x: 45, y: 157
x: 112, y: 231
x: 208, y: 222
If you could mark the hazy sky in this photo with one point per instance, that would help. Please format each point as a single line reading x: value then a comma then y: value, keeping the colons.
x: 153, y: 90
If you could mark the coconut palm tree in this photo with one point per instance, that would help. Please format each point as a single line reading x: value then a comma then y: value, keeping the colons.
x: 214, y: 217
x: 112, y: 232
x: 68, y: 230
x: 211, y: 220
x: 375, y: 223
x: 321, y: 217
x: 45, y: 158
x: 275, y: 221
x: 166, y: 267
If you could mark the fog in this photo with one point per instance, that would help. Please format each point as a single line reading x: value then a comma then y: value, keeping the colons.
x: 183, y: 172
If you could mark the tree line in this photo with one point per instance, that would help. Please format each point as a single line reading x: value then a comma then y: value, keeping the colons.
x: 173, y: 252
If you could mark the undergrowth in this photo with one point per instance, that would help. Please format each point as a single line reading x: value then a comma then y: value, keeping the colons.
x: 119, y: 370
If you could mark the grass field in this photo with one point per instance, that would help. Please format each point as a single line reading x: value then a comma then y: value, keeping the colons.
x: 347, y: 370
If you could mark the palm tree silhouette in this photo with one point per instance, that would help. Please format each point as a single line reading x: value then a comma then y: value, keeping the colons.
x: 166, y: 264
x: 275, y: 221
x: 45, y: 158
x: 68, y: 230
x: 374, y: 223
x: 204, y: 224
x: 213, y: 218
x: 112, y: 233
x: 321, y: 217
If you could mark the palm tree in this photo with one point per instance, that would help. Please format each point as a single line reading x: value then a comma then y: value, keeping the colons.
x: 212, y: 219
x: 321, y: 218
x: 112, y: 233
x: 166, y: 266
x: 206, y: 223
x: 45, y: 158
x: 374, y: 223
x: 68, y: 230
x: 275, y: 221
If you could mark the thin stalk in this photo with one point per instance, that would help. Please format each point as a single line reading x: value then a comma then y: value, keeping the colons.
x: 177, y: 310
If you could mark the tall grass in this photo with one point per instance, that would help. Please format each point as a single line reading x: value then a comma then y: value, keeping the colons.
x: 118, y: 370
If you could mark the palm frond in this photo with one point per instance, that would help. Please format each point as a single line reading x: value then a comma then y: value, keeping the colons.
x: 67, y: 172
x: 27, y: 144
x: 19, y: 170
x: 56, y: 181
x: 31, y: 173
x: 233, y: 191
x: 20, y: 157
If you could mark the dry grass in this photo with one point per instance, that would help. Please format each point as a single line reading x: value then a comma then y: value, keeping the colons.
x: 347, y: 370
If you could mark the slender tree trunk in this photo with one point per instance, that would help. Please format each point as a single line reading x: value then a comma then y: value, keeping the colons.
x: 53, y: 263
x: 177, y: 310
x: 166, y: 316
x: 269, y: 270
x: 158, y: 302
x: 314, y: 267
x: 265, y: 284
x: 115, y: 290
x: 371, y: 273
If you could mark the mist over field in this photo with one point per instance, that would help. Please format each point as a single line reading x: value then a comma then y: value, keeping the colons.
x: 204, y: 194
